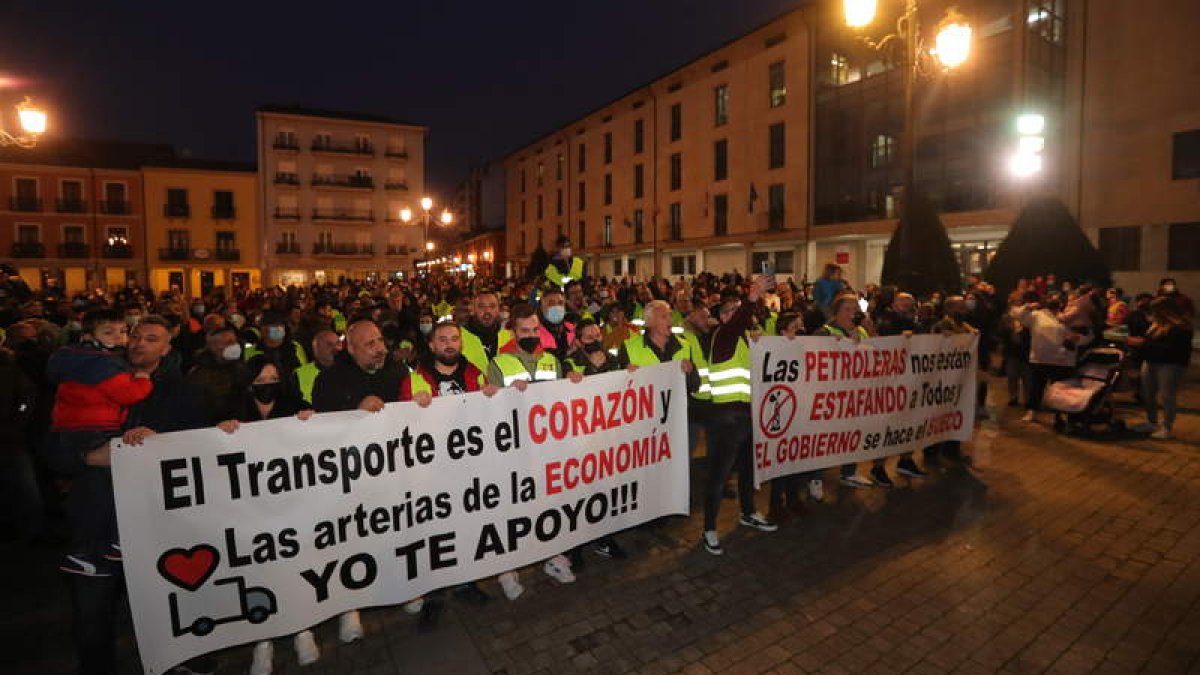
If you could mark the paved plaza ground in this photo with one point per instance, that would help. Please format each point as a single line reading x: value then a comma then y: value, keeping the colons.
x: 1051, y: 554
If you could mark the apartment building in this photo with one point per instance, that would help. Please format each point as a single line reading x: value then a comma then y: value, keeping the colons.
x: 203, y: 225
x: 332, y: 185
x: 71, y: 212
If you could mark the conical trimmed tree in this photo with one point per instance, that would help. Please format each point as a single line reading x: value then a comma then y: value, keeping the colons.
x: 919, y: 258
x: 1045, y: 239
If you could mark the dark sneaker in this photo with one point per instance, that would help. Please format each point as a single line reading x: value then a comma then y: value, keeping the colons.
x: 909, y: 468
x: 879, y: 475
x: 757, y: 521
x: 430, y: 614
x: 113, y: 554
x: 472, y: 594
x: 609, y: 548
x: 201, y: 665
x: 84, y: 565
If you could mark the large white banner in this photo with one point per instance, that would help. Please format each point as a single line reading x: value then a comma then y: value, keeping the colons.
x: 230, y: 538
x: 824, y: 401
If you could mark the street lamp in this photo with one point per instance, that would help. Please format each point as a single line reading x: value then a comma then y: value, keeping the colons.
x: 1031, y: 141
x: 446, y: 218
x: 33, y: 124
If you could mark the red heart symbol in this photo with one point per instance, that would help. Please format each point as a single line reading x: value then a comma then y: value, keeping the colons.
x: 189, y: 568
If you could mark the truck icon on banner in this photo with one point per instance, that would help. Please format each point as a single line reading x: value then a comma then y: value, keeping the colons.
x: 199, y: 613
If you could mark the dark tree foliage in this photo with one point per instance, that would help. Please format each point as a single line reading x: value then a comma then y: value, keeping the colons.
x: 537, y: 262
x: 919, y: 258
x: 1045, y: 239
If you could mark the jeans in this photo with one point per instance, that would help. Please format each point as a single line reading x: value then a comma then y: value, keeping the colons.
x: 1019, y: 378
x: 728, y: 448
x: 1161, y: 378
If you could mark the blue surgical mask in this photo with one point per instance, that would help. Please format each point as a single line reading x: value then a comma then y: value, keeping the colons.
x: 275, y: 332
x: 556, y: 314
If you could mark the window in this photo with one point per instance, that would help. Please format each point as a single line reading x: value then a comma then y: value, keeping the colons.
x: 631, y: 265
x: 115, y: 201
x: 683, y: 264
x: 582, y: 196
x: 721, y: 105
x: 675, y: 222
x: 558, y: 202
x: 25, y: 195
x: 639, y: 225
x: 29, y: 233
x: 608, y: 230
x: 608, y: 147
x: 1185, y: 155
x: 1183, y: 242
x: 540, y: 213
x: 177, y: 203
x: 777, y: 84
x: 775, y: 209
x: 639, y: 181
x: 178, y: 240
x: 676, y: 121
x: 1121, y: 247
x: 778, y: 146
x: 226, y: 240
x: 883, y: 151
x: 71, y: 191
x: 74, y: 234
x: 223, y: 204
x: 582, y: 157
x: 721, y: 215
x: 541, y: 174
x: 721, y: 160
x: 607, y: 189
x: 676, y: 171
x: 639, y: 136
x: 839, y: 70
x: 616, y: 263
x: 559, y: 163
x: 785, y: 262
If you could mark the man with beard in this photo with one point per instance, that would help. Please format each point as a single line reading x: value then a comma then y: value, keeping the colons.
x: 444, y: 371
x: 326, y: 345
x: 484, y: 335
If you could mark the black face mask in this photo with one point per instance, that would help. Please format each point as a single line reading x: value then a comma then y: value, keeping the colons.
x: 265, y: 393
x: 529, y: 344
x: 592, y: 347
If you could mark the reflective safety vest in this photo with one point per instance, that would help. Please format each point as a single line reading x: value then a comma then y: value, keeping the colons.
x: 677, y: 322
x: 730, y: 380
x: 859, y: 332
x: 639, y: 315
x: 771, y: 326
x: 704, y: 393
x: 640, y: 354
x: 513, y: 369
x: 339, y: 322
x: 443, y: 311
x: 472, y: 347
x: 306, y: 375
x: 559, y: 279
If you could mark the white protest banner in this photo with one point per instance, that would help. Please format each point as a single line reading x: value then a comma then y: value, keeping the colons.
x: 824, y: 401
x: 230, y: 538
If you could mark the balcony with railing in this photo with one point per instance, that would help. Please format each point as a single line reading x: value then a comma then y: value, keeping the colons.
x: 70, y: 205
x: 399, y: 249
x: 177, y: 210
x: 357, y: 148
x: 396, y: 185
x: 28, y: 249
x: 227, y: 254
x: 286, y: 142
x: 351, y: 181
x: 114, y: 208
x: 287, y: 248
x: 173, y: 253
x: 349, y: 250
x: 287, y: 178
x: 74, y: 249
x: 287, y: 213
x: 117, y: 251
x: 344, y: 215
x: 396, y: 153
x: 24, y: 204
x: 224, y: 212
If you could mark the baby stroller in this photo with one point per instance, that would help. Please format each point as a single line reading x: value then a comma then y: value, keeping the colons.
x: 1085, y: 400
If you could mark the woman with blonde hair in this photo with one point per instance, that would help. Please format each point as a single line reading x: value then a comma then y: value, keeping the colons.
x: 1166, y: 350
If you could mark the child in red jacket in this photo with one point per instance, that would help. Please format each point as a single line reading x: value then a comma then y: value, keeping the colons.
x: 96, y: 388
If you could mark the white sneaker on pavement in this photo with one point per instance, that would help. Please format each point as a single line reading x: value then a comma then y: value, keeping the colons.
x: 816, y: 490
x: 1029, y: 416
x: 306, y: 648
x: 511, y: 585
x: 264, y: 655
x: 414, y: 606
x: 856, y: 481
x: 712, y: 543
x: 350, y: 627
x: 1162, y: 434
x: 559, y: 569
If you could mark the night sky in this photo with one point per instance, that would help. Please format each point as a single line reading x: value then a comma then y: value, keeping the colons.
x: 486, y: 77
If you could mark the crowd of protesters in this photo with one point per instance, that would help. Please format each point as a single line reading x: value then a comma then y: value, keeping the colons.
x: 79, y: 371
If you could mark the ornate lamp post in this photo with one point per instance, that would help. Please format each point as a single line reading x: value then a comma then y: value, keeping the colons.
x: 446, y: 218
x: 33, y: 124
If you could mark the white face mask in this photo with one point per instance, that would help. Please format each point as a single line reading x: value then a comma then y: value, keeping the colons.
x: 232, y: 352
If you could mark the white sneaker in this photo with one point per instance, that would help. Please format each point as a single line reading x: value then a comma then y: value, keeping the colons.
x: 816, y: 490
x: 306, y: 648
x: 712, y: 542
x: 856, y: 481
x: 1162, y: 434
x: 414, y: 606
x: 1145, y: 428
x: 264, y: 655
x: 1029, y: 416
x: 511, y: 585
x: 559, y: 569
x: 349, y: 627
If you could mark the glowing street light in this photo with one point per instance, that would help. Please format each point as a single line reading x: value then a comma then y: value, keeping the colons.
x: 952, y: 45
x: 426, y: 203
x: 33, y: 120
x: 429, y: 246
x: 859, y: 13
x: 406, y: 215
x: 447, y: 217
x: 1026, y: 161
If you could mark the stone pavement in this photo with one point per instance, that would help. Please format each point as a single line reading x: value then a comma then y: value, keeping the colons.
x: 1052, y: 554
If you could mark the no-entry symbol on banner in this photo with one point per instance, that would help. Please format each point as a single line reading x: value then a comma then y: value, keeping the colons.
x: 777, y: 411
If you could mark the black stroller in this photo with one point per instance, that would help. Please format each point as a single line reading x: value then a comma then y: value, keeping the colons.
x: 1084, y: 400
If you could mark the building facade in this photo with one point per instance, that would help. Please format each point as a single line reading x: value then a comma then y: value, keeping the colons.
x: 332, y: 185
x: 71, y: 213
x: 203, y: 226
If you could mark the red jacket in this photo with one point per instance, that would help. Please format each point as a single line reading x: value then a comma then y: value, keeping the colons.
x: 472, y: 379
x: 95, y: 389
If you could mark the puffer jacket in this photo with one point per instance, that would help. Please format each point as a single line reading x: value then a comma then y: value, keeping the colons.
x: 95, y: 388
